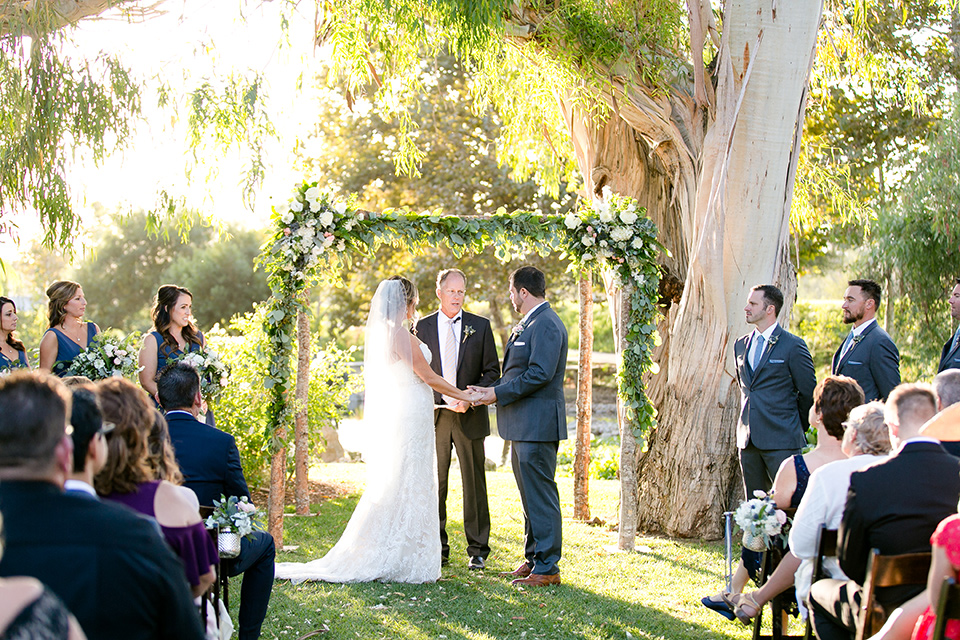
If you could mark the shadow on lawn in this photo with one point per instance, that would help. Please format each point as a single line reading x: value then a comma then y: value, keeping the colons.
x: 463, y: 605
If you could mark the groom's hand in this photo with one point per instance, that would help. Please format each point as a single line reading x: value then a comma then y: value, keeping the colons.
x: 486, y: 395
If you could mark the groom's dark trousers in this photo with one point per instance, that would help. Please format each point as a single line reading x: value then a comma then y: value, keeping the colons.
x: 477, y: 364
x: 210, y: 464
x: 531, y: 413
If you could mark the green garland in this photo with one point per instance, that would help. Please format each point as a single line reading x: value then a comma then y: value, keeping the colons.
x: 315, y: 235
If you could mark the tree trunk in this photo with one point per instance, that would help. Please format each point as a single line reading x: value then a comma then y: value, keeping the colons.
x: 581, y: 459
x: 301, y: 440
x: 278, y: 473
x: 689, y: 167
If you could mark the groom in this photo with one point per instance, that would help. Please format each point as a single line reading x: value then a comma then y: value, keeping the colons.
x: 464, y: 354
x: 531, y: 413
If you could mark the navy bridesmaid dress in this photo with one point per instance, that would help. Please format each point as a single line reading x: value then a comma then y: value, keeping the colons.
x: 68, y: 349
x: 20, y: 363
x: 167, y: 353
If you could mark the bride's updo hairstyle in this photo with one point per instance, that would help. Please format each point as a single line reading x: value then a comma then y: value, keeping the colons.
x: 60, y: 293
x: 866, y: 430
x: 410, y: 296
x: 167, y: 296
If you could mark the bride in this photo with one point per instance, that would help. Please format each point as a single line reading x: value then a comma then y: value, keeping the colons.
x: 394, y: 533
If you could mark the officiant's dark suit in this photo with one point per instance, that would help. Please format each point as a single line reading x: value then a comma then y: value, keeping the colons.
x: 775, y: 397
x: 893, y: 506
x: 210, y: 463
x: 477, y: 364
x: 950, y: 354
x: 531, y: 413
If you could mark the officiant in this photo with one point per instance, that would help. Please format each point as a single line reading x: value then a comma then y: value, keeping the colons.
x: 464, y: 353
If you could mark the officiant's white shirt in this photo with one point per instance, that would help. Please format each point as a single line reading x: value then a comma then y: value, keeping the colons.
x: 443, y: 332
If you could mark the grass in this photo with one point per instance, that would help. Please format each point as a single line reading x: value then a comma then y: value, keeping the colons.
x: 604, y: 595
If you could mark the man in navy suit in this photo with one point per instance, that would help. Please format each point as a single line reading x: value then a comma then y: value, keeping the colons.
x: 894, y: 506
x: 464, y: 353
x: 776, y: 377
x: 210, y: 463
x: 867, y: 355
x: 531, y: 413
x: 950, y: 355
x: 108, y: 566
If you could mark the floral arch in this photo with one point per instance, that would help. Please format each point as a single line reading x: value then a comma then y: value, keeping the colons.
x: 315, y: 235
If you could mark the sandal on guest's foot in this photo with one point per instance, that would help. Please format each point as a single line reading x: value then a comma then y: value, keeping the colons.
x: 721, y: 605
x: 746, y: 608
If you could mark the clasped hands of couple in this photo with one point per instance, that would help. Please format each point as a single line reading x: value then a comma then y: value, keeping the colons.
x: 479, y: 396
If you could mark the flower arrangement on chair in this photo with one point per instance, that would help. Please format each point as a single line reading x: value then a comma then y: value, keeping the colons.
x: 237, y: 518
x: 761, y: 521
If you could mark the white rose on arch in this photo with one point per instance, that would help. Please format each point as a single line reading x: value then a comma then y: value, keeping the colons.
x: 587, y: 240
x: 287, y: 217
x: 313, y: 193
x: 296, y: 205
x: 572, y: 221
x: 628, y: 216
x: 340, y: 207
x: 326, y: 218
x: 315, y: 205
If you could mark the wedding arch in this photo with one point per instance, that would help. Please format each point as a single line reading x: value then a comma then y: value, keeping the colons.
x: 314, y: 236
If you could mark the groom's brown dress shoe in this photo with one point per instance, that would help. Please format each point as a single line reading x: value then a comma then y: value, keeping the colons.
x: 537, y: 580
x: 522, y: 571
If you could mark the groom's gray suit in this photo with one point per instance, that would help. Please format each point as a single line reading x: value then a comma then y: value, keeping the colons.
x: 531, y: 413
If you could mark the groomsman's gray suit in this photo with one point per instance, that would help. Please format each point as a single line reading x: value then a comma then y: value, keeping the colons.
x: 874, y: 362
x: 950, y: 355
x: 775, y: 400
x: 531, y: 413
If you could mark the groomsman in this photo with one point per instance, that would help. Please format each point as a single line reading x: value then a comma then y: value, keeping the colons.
x: 950, y: 356
x: 531, y: 413
x: 776, y: 377
x: 464, y: 354
x: 867, y: 355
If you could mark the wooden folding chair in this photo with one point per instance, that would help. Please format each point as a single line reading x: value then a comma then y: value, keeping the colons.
x: 826, y: 547
x: 780, y: 604
x: 887, y: 571
x: 948, y: 608
x: 212, y: 594
x: 223, y: 580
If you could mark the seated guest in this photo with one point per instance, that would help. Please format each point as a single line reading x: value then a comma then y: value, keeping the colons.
x: 30, y: 611
x: 106, y: 564
x: 127, y: 478
x: 866, y: 440
x: 210, y: 463
x: 89, y: 442
x: 945, y: 564
x: 893, y: 506
x: 833, y: 399
x: 945, y: 427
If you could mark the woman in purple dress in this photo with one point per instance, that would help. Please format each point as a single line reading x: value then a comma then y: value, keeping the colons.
x: 68, y: 334
x: 13, y: 354
x: 130, y: 479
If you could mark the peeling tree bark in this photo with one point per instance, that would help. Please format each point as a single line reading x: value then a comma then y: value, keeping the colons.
x: 278, y: 472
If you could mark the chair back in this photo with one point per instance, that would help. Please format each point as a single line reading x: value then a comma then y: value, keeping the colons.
x: 888, y: 571
x: 948, y: 608
x: 826, y: 547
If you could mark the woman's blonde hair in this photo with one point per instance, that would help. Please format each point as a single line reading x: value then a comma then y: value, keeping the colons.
x: 866, y: 430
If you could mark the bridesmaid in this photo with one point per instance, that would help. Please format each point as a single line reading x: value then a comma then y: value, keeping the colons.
x: 12, y: 352
x: 173, y: 333
x: 68, y: 334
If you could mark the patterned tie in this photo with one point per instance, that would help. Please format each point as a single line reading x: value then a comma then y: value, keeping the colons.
x: 449, y: 361
x: 846, y: 346
x: 758, y: 352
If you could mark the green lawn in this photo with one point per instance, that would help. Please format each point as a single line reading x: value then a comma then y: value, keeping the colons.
x: 653, y: 594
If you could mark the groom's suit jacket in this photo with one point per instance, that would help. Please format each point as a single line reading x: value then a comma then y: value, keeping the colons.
x: 530, y: 404
x: 208, y: 459
x: 874, y: 362
x: 776, y: 397
x: 949, y: 358
x: 477, y: 364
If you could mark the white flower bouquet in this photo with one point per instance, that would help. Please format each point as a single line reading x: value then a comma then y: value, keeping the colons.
x: 214, y: 374
x: 107, y: 357
x: 237, y: 514
x: 760, y: 521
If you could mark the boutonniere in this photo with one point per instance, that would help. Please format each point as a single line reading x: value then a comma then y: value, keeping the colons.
x: 773, y: 340
x: 517, y: 330
x: 467, y: 332
x: 857, y: 339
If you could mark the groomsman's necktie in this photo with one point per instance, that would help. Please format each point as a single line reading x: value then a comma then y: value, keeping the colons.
x: 846, y: 346
x: 956, y: 339
x: 758, y: 352
x: 449, y: 363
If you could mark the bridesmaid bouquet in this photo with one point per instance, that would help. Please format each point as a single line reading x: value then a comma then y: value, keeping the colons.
x: 107, y: 356
x: 214, y: 374
x: 760, y: 521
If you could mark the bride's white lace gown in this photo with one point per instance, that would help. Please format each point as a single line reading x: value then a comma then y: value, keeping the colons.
x: 394, y: 533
